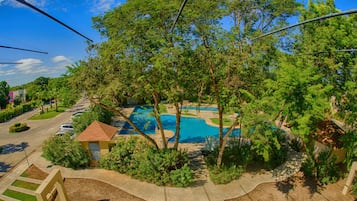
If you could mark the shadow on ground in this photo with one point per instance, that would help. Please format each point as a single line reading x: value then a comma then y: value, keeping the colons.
x: 12, y: 148
x: 4, y: 167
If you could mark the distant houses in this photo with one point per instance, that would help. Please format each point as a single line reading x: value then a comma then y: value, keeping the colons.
x: 18, y: 94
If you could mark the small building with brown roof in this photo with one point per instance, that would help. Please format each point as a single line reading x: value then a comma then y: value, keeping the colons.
x: 97, y: 139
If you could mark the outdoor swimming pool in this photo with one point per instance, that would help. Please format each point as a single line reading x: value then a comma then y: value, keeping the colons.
x: 192, y: 129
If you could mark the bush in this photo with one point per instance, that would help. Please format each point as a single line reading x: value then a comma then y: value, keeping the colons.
x: 12, y: 112
x: 18, y: 127
x: 235, y: 158
x: 137, y: 158
x: 225, y: 174
x: 323, y: 169
x: 354, y: 186
x: 80, y: 123
x: 61, y: 150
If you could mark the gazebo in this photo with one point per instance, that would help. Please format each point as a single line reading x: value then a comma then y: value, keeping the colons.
x: 96, y: 138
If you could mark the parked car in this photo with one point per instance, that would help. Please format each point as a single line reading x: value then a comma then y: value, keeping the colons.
x: 62, y: 133
x: 77, y: 114
x: 66, y: 127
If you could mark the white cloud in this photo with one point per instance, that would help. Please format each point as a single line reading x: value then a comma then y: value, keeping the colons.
x: 101, y: 6
x: 37, y: 3
x: 30, y: 66
x: 60, y: 59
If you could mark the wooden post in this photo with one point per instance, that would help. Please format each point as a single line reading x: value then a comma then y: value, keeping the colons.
x: 350, y: 178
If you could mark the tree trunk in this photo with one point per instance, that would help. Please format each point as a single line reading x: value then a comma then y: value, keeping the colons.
x: 224, y: 142
x: 158, y: 119
x: 118, y: 112
x: 178, y: 122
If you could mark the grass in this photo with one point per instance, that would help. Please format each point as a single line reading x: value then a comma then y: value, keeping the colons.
x: 19, y: 195
x: 226, y: 121
x: 24, y: 184
x: 48, y: 114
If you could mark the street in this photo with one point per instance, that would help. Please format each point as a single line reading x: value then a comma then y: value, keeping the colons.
x: 16, y: 146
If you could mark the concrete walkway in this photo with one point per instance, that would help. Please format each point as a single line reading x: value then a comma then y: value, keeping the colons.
x: 203, y: 190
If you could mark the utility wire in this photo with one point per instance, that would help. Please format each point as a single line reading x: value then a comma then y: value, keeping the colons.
x: 353, y: 11
x: 11, y: 63
x: 23, y: 49
x: 178, y: 15
x: 53, y: 18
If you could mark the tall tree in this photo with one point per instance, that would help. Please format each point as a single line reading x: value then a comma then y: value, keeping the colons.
x: 4, y: 93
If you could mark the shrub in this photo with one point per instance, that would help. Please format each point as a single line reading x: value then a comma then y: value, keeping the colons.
x: 18, y: 127
x: 235, y: 159
x: 225, y: 174
x: 269, y: 145
x: 323, y: 169
x: 135, y: 157
x: 66, y: 152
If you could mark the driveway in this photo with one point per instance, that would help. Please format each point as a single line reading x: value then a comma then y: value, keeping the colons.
x: 16, y: 146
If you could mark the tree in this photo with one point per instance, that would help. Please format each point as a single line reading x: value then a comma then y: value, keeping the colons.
x: 237, y: 68
x: 147, y: 64
x: 4, y: 94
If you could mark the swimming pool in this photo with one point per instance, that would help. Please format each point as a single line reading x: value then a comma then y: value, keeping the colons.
x: 192, y: 129
x: 213, y: 109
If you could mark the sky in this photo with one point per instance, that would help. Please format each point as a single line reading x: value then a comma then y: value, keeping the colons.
x: 23, y: 27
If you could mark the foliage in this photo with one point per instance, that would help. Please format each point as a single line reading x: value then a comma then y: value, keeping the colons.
x: 268, y: 144
x: 12, y: 112
x: 350, y: 144
x: 235, y: 159
x: 48, y: 114
x: 354, y: 186
x: 226, y: 121
x: 80, y: 123
x: 4, y: 94
x: 322, y: 168
x: 225, y: 174
x: 18, y: 127
x: 66, y: 152
x: 137, y: 158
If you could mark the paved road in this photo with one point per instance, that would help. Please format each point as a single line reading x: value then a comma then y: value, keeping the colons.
x: 31, y: 139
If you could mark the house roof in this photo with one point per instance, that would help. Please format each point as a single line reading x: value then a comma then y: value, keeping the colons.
x: 97, y: 131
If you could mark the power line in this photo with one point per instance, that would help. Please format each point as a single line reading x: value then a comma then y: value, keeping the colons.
x: 23, y: 49
x: 178, y: 15
x: 308, y: 21
x: 53, y: 18
x: 11, y: 63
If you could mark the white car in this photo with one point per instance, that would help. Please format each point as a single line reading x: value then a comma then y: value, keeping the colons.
x: 77, y: 114
x: 66, y: 127
x: 62, y: 133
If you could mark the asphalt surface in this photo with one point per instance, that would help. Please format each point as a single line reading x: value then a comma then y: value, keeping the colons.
x: 17, y: 146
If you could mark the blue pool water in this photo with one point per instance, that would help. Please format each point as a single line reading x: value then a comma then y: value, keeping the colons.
x: 192, y: 129
x: 213, y: 109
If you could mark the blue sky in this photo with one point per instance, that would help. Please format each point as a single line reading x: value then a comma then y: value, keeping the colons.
x: 23, y: 27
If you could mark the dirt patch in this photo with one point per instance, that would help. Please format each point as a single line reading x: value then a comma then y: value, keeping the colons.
x: 328, y: 133
x: 295, y: 189
x: 35, y: 173
x: 85, y: 189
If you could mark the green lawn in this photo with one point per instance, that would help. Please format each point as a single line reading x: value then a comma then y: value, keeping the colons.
x: 226, y: 121
x: 19, y: 196
x: 24, y: 184
x: 48, y: 114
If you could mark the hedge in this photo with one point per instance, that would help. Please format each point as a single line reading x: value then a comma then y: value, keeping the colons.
x: 12, y: 112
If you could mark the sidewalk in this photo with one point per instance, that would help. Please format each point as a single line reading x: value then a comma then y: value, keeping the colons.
x: 201, y: 191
